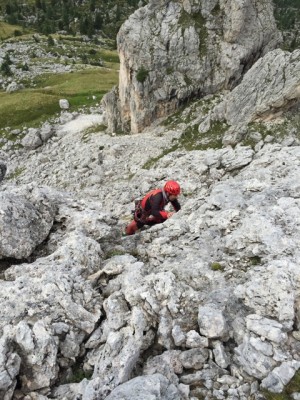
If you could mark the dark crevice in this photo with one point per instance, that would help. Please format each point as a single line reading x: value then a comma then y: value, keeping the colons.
x: 8, y: 262
x: 41, y: 250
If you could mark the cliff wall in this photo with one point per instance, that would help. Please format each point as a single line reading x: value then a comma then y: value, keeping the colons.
x: 173, y: 51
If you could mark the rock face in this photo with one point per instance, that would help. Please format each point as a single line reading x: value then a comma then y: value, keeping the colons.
x: 172, y: 51
x: 271, y: 86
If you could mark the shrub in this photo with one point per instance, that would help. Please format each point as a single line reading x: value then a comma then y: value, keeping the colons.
x: 50, y: 41
x: 142, y: 74
x: 5, y: 68
x: 25, y: 67
x: 215, y: 266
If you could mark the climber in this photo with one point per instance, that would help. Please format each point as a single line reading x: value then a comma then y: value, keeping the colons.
x: 150, y: 210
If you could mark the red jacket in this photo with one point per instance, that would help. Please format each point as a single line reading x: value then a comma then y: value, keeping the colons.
x: 154, y: 203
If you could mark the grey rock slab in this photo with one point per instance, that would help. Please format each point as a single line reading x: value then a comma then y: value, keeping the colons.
x: 280, y: 376
x: 26, y: 220
x: 212, y: 323
x: 265, y: 327
x: 151, y: 387
x: 252, y: 361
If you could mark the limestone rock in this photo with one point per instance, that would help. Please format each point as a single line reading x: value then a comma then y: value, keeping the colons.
x: 167, y: 51
x: 270, y: 86
x: 26, y: 220
x: 147, y: 387
x: 32, y: 140
x: 212, y: 322
x: 280, y: 376
x: 64, y: 104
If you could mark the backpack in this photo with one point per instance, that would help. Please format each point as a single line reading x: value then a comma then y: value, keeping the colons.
x: 139, y: 213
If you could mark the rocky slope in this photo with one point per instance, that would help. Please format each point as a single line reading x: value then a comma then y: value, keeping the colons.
x: 205, y: 305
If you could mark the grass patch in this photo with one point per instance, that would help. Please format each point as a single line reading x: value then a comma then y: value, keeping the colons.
x: 110, y: 56
x: 279, y: 131
x: 93, y: 129
x: 191, y: 139
x: 17, y: 172
x: 7, y: 30
x: 113, y: 252
x: 30, y: 107
x: 88, y: 53
x: 82, y: 83
x: 189, y: 112
x: 27, y: 107
x: 78, y: 374
x: 152, y: 161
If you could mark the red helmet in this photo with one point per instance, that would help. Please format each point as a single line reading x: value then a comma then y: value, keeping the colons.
x: 172, y: 187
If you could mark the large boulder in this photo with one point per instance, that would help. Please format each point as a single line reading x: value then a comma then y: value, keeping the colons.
x: 25, y: 222
x: 172, y: 51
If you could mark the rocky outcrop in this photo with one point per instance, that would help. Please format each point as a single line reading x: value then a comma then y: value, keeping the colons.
x: 269, y: 88
x: 172, y: 51
x: 25, y: 222
x: 48, y: 306
x: 205, y: 304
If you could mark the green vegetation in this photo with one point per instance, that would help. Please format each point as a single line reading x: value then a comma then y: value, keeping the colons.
x: 5, y: 66
x: 114, y: 252
x: 191, y: 138
x: 287, y: 14
x: 152, y: 161
x: 87, y: 17
x: 78, y: 374
x: 26, y: 107
x: 7, y: 30
x: 92, y: 130
x: 17, y: 172
x: 216, y: 10
x: 256, y: 260
x: 292, y: 387
x: 142, y: 74
x: 30, y: 107
x: 215, y: 266
x: 187, y: 20
x: 88, y: 53
x: 278, y: 130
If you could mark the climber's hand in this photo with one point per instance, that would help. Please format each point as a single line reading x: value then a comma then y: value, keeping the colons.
x: 170, y: 214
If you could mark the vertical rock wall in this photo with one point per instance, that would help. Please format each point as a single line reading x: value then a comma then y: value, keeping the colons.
x: 171, y: 51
